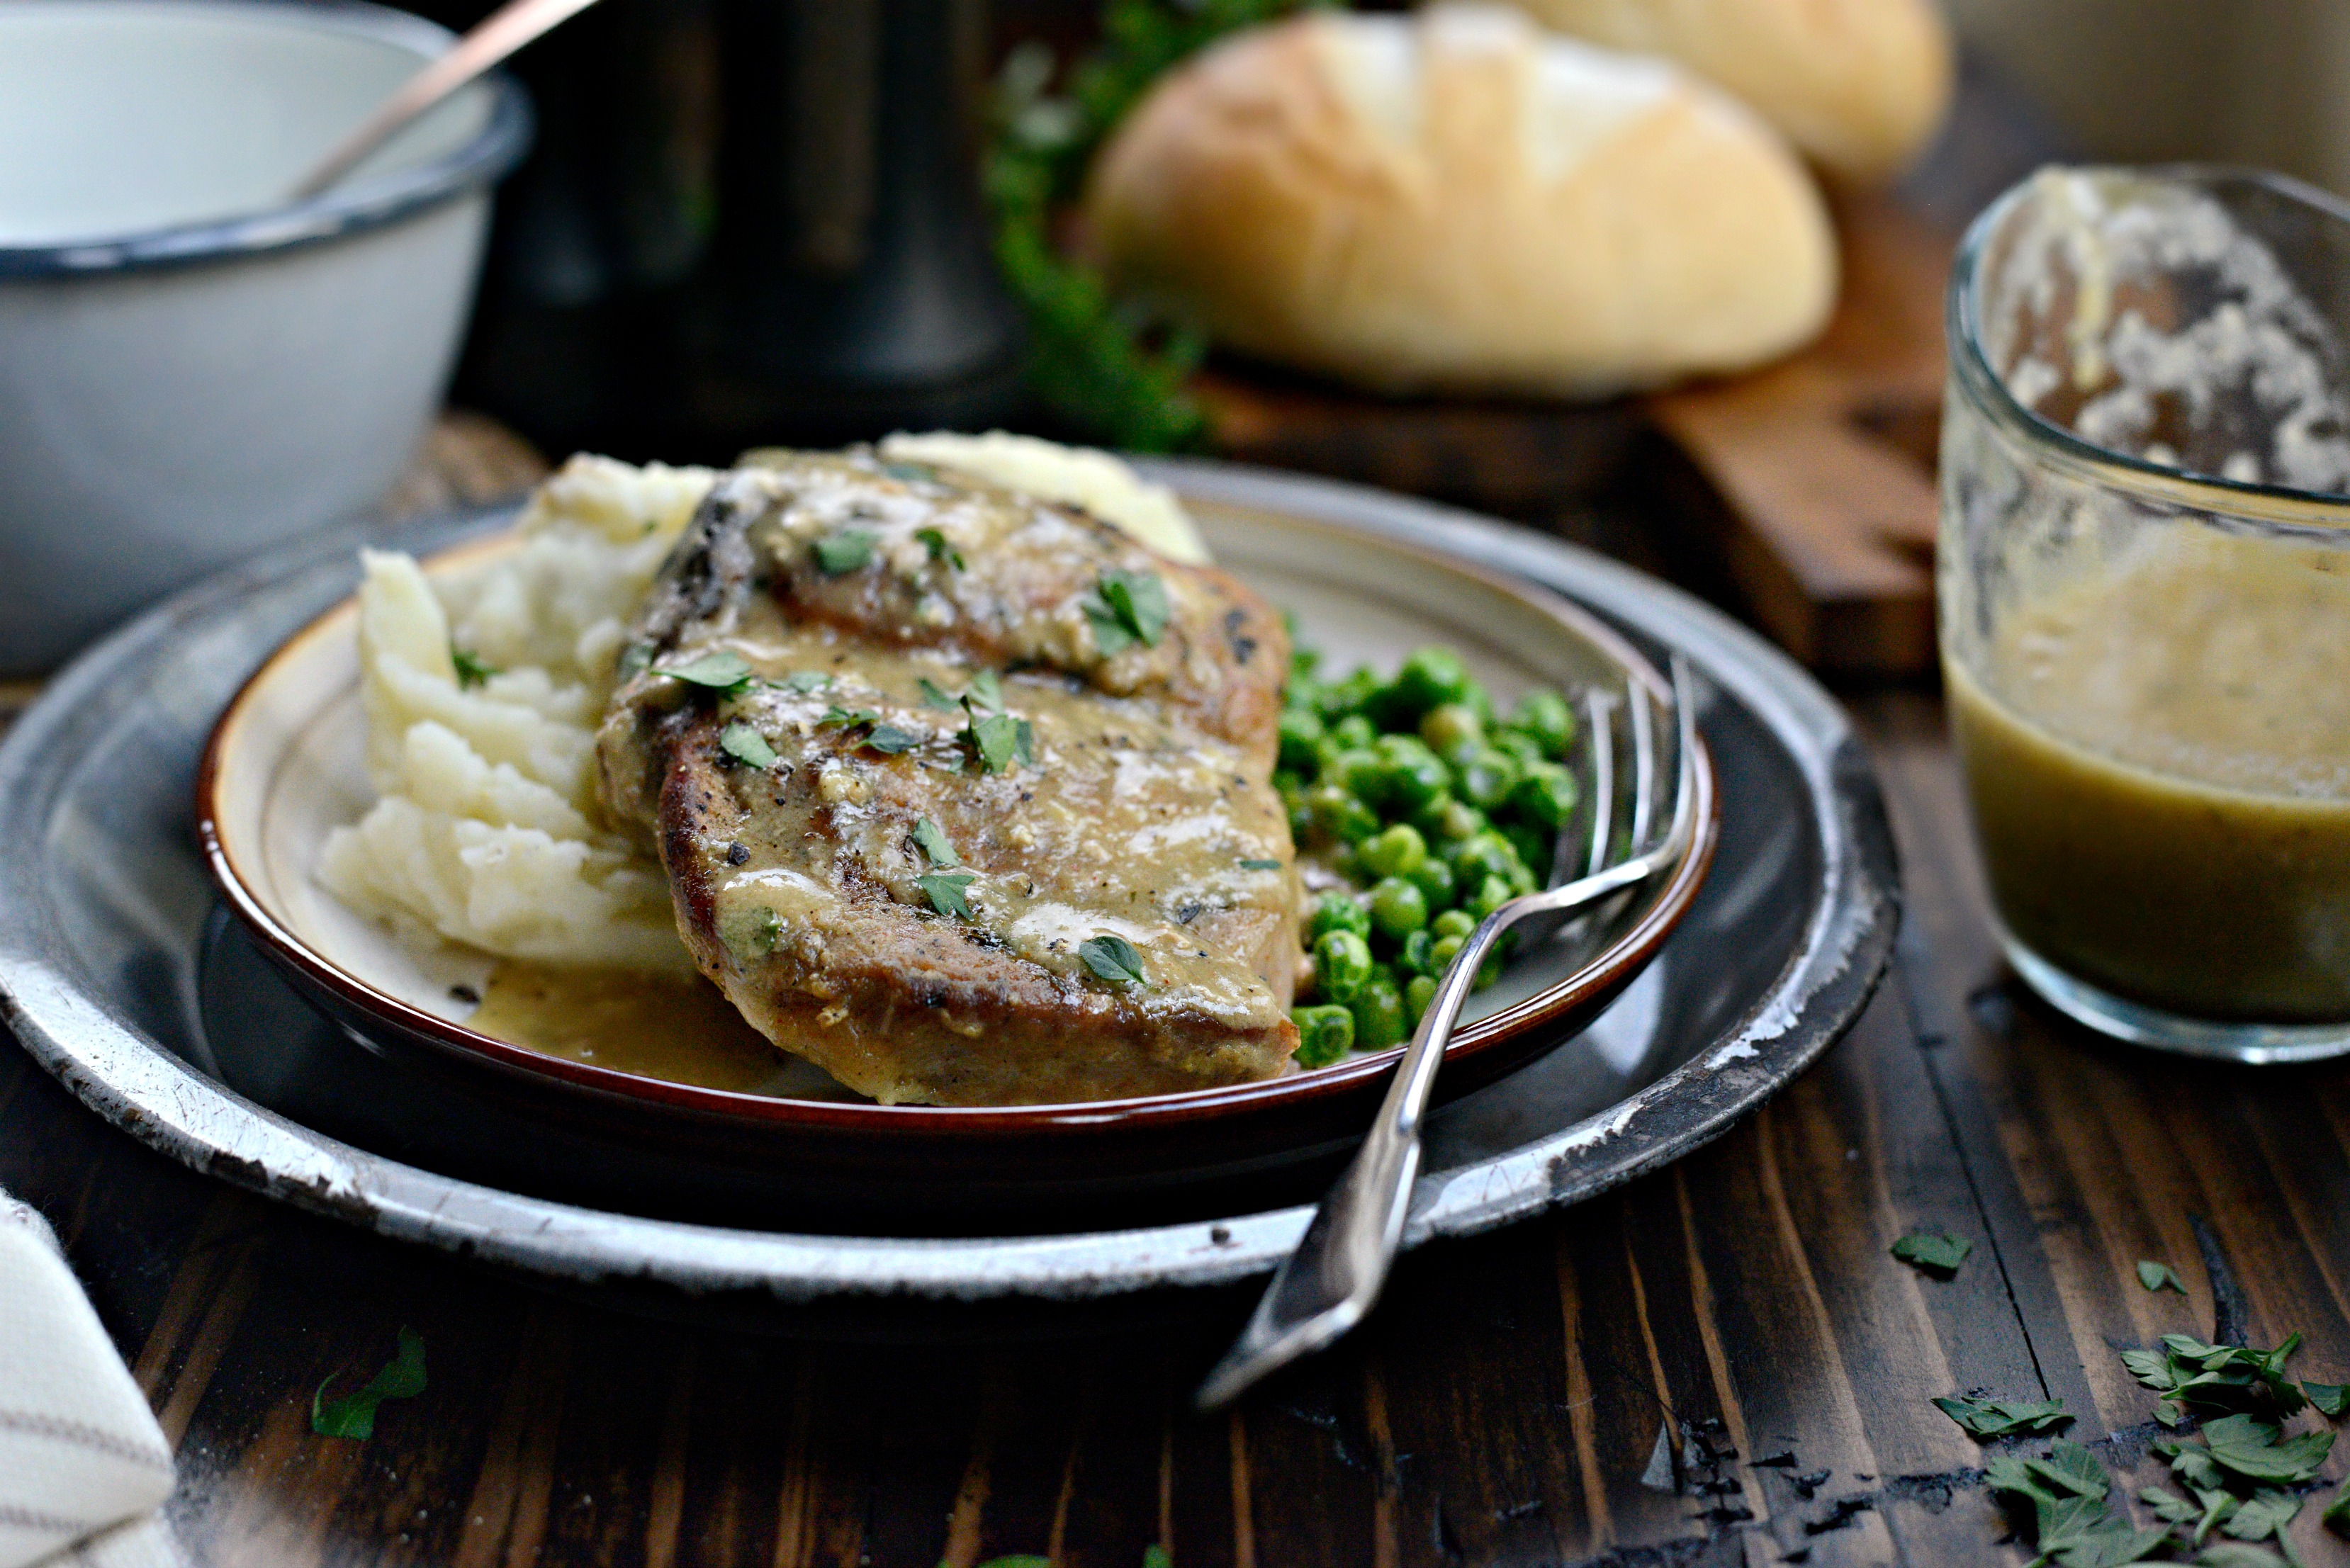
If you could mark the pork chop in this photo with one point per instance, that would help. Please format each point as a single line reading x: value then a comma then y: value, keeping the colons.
x: 963, y: 795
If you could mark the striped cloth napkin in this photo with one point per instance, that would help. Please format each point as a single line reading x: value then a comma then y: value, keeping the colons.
x: 83, y: 1467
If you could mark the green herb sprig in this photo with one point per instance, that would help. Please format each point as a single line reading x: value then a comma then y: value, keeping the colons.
x: 471, y: 670
x: 1931, y: 1252
x: 402, y: 1378
x: 1107, y: 367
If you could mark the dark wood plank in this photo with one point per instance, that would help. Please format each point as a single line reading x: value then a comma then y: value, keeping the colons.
x: 1656, y: 1376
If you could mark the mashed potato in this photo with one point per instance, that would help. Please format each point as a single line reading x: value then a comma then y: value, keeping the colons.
x: 489, y: 830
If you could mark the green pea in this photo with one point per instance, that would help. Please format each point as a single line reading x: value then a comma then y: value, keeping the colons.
x: 1533, y: 847
x: 1486, y: 853
x: 1411, y: 958
x: 1417, y: 992
x: 1522, y: 748
x: 1303, y: 661
x: 1301, y: 740
x: 1398, y: 852
x: 1337, y: 912
x: 1491, y: 895
x: 1480, y: 701
x: 1340, y: 815
x: 1378, y: 1014
x: 1397, y: 908
x: 1434, y: 880
x: 1544, y: 797
x: 1429, y: 678
x: 1354, y: 730
x: 1455, y: 821
x: 1453, y: 923
x: 1487, y: 776
x: 1323, y: 1034
x: 1544, y: 714
x: 1413, y: 777
x: 1342, y: 965
x: 1452, y: 727
x: 1337, y: 699
x: 1440, y: 956
x: 1357, y: 770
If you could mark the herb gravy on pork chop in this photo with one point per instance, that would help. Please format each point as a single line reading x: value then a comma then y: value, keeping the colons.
x: 963, y: 795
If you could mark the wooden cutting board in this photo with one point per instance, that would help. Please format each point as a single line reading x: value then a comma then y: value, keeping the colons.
x: 1810, y: 483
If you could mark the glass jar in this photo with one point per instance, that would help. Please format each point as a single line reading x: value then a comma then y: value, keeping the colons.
x: 2144, y: 582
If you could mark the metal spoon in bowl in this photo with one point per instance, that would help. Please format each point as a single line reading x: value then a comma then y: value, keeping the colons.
x: 1328, y: 1285
x: 500, y: 33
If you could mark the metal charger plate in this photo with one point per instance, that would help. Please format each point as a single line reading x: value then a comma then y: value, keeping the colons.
x: 104, y: 907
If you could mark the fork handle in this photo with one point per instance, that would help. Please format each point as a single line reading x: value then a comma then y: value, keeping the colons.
x: 1327, y: 1287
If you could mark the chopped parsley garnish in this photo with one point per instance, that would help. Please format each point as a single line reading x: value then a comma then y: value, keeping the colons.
x: 2251, y: 1448
x: 944, y: 889
x: 935, y: 541
x: 986, y: 692
x: 2219, y: 1377
x: 2073, y: 1522
x: 802, y: 682
x: 2331, y: 1399
x: 1260, y: 864
x: 1112, y: 959
x: 909, y: 473
x: 846, y: 551
x: 2157, y: 1276
x: 471, y: 670
x: 891, y: 739
x: 2337, y: 1513
x: 635, y: 659
x: 1933, y: 1252
x: 402, y: 1378
x: 934, y: 843
x: 1001, y: 740
x: 935, y: 695
x: 1129, y: 607
x: 2003, y: 1417
x: 746, y: 745
x: 852, y: 717
x: 717, y: 670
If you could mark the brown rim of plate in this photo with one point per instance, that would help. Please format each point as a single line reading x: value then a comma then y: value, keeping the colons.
x: 1626, y: 955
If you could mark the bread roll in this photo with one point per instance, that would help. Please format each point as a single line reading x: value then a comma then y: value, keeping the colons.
x: 1456, y: 201
x: 1859, y: 85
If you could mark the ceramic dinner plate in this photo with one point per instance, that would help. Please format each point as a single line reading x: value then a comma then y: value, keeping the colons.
x: 126, y: 981
x: 287, y: 764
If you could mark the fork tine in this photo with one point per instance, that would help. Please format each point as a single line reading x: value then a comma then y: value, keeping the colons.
x: 1684, y: 747
x: 1603, y: 780
x: 1644, y: 765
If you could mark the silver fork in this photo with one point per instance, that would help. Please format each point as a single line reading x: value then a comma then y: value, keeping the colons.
x: 1328, y: 1285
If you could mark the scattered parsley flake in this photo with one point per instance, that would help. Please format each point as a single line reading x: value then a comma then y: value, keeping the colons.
x: 471, y: 670
x: 935, y: 845
x: 845, y: 551
x: 935, y: 695
x: 802, y: 682
x: 1933, y: 1252
x: 1260, y: 864
x: 717, y: 670
x: 2337, y: 1513
x: 2331, y: 1399
x: 1001, y: 740
x: 891, y: 739
x: 746, y: 745
x: 402, y: 1378
x: 1112, y: 959
x: 635, y: 659
x: 908, y: 473
x: 944, y: 889
x: 2157, y: 1276
x: 2003, y: 1417
x: 2251, y: 1448
x: 986, y: 692
x: 1129, y: 607
x: 2073, y: 1524
x: 852, y: 717
x: 2217, y: 1376
x: 935, y: 541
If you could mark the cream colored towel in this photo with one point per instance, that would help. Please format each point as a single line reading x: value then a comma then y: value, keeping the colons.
x: 83, y: 1467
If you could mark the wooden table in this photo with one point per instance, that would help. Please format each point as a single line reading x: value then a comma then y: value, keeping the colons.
x: 1717, y: 1364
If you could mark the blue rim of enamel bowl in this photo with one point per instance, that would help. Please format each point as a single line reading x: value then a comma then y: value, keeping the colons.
x: 347, y: 209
